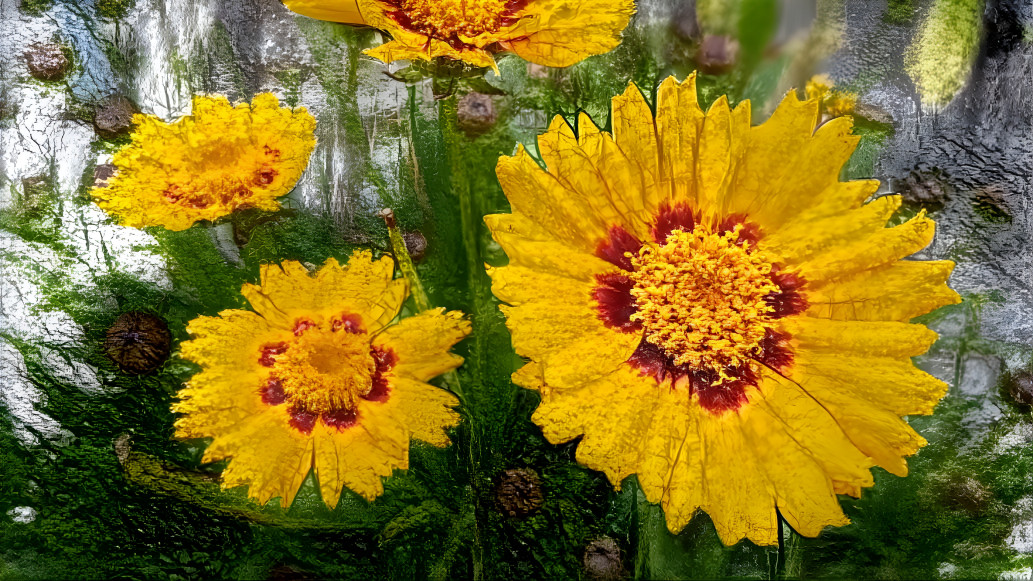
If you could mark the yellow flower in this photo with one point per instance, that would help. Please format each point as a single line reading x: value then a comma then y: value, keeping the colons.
x: 220, y: 159
x: 710, y: 309
x: 556, y: 33
x: 317, y: 377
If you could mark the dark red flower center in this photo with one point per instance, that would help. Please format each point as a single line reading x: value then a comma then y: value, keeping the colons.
x: 453, y: 20
x: 322, y: 370
x: 703, y: 297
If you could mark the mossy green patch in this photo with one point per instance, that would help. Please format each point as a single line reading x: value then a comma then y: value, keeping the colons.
x: 941, y: 58
x: 114, y: 8
x: 35, y: 7
x: 899, y: 11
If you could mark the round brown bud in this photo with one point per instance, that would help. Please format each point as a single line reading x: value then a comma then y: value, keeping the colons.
x: 103, y: 173
x: 476, y: 115
x: 114, y: 116
x: 519, y: 493
x: 603, y: 560
x: 717, y: 54
x: 416, y: 244
x: 1020, y: 387
x: 965, y: 493
x: 138, y: 342
x: 923, y: 188
x: 46, y: 62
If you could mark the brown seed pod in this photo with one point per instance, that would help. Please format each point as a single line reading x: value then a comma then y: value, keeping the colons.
x: 114, y: 116
x: 415, y: 244
x: 46, y: 62
x: 603, y: 560
x: 476, y: 115
x: 519, y: 493
x: 138, y: 342
x: 1020, y: 388
x: 717, y: 54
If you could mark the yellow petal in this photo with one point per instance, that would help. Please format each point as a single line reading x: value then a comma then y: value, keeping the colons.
x: 553, y: 320
x: 543, y: 199
x: 609, y: 184
x: 559, y: 33
x: 614, y: 433
x: 527, y: 247
x: 879, y: 248
x: 802, y: 490
x: 422, y: 343
x: 679, y: 123
x: 362, y: 287
x: 897, y: 292
x: 802, y: 239
x: 220, y: 159
x: 735, y: 493
x: 428, y: 410
x: 877, y: 432
x: 634, y: 132
x: 893, y: 385
x: 268, y: 457
x: 859, y: 338
x: 346, y: 11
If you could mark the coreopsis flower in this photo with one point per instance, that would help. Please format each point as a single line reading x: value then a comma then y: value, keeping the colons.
x: 555, y: 33
x: 220, y: 159
x: 710, y: 309
x: 317, y: 377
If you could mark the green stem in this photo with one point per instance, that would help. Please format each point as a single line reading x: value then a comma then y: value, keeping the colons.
x: 405, y: 263
x: 470, y: 220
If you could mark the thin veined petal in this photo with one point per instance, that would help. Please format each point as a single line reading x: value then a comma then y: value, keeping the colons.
x: 421, y: 343
x: 897, y: 292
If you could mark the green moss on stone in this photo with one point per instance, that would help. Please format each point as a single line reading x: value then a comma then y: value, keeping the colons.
x: 941, y: 59
x: 36, y: 7
x: 114, y: 8
x: 899, y: 11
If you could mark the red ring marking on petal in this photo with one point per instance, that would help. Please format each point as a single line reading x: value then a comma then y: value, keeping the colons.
x: 615, y: 247
x: 615, y: 302
x: 303, y: 324
x: 347, y: 322
x: 341, y: 419
x: 750, y: 231
x: 385, y: 359
x: 272, y: 392
x: 270, y: 351
x: 302, y: 419
x: 670, y: 218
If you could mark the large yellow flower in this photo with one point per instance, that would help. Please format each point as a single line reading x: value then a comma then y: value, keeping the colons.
x: 204, y: 166
x: 712, y: 310
x: 555, y: 33
x: 317, y: 377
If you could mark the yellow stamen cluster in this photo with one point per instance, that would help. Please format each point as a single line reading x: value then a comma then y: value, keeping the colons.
x: 325, y: 371
x: 461, y: 18
x: 700, y: 297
